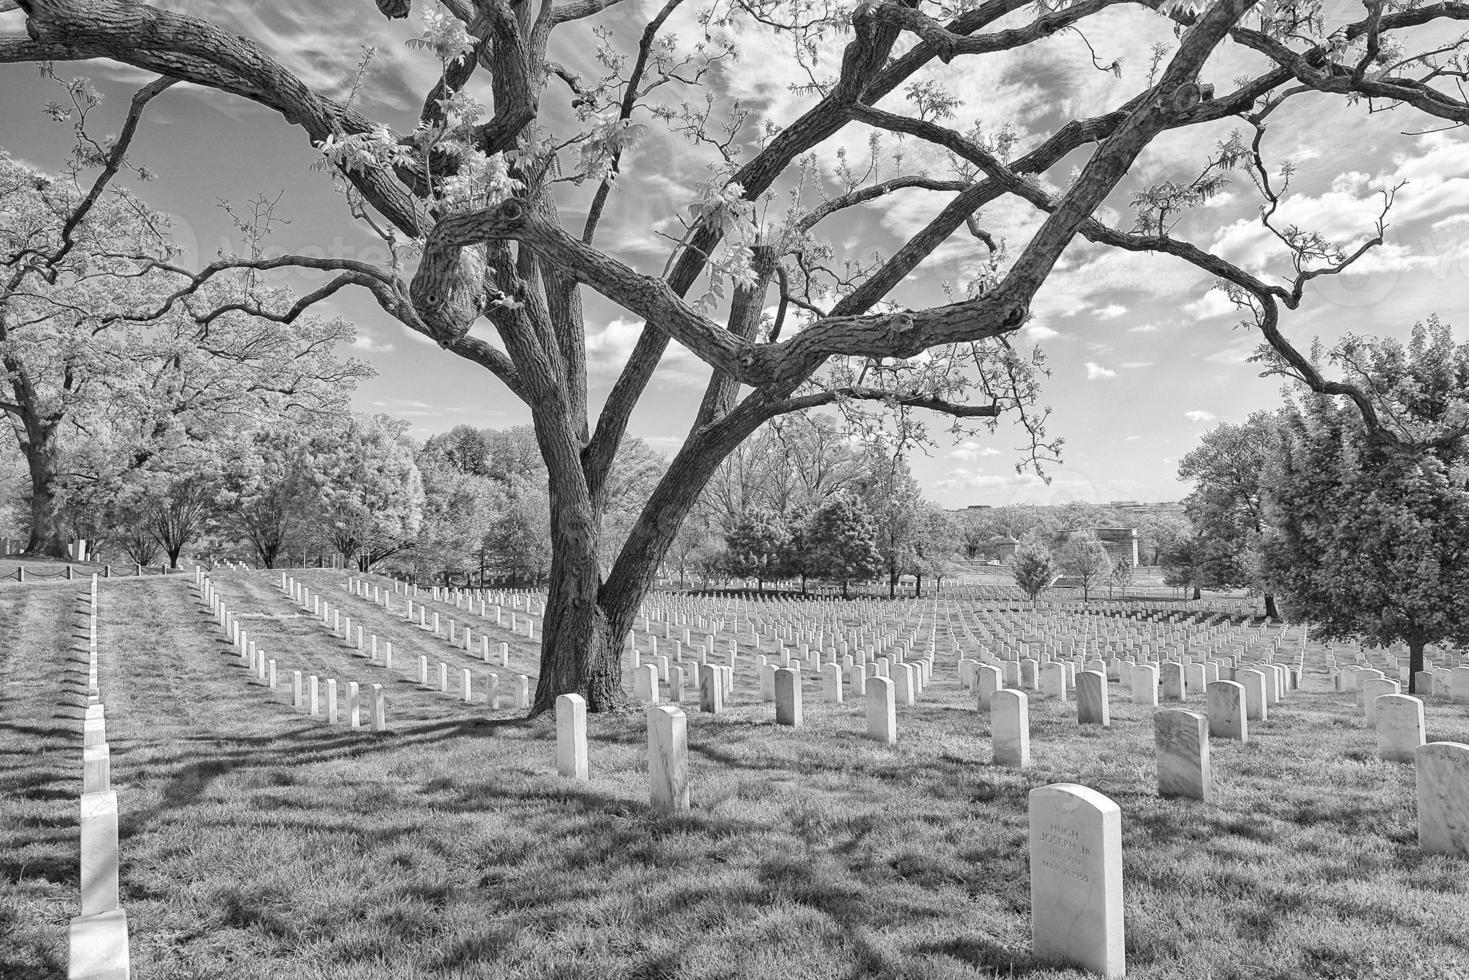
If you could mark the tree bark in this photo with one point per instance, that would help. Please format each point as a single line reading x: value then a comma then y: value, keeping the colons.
x: 48, y: 538
x: 1270, y: 611
x: 1415, y: 664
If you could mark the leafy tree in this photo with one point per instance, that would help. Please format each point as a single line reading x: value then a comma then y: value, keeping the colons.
x: 1034, y: 568
x: 262, y: 492
x: 519, y: 540
x: 757, y: 547
x: 458, y: 508
x: 1226, y: 506
x: 1122, y: 574
x: 934, y: 546
x: 1185, y: 563
x: 1084, y: 558
x: 694, y: 547
x: 369, y: 493
x: 1158, y: 533
x: 842, y: 542
x: 895, y: 500
x: 1369, y: 538
x: 509, y: 146
x: 92, y: 336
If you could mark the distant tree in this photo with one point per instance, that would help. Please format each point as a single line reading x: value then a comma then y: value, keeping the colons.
x: 974, y: 535
x: 1122, y: 574
x: 895, y: 500
x: 1369, y: 537
x: 458, y: 506
x: 369, y: 493
x: 693, y: 546
x: 1034, y: 569
x: 262, y: 491
x: 1084, y: 558
x: 1184, y: 564
x: 934, y: 546
x: 519, y: 539
x: 842, y: 542
x: 1158, y: 533
x: 757, y: 546
x: 1226, y: 506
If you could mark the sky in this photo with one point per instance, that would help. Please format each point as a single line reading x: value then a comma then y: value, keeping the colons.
x: 1144, y: 356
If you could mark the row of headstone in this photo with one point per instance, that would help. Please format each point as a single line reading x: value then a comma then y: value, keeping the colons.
x: 97, y: 939
x: 306, y: 689
x: 462, y: 640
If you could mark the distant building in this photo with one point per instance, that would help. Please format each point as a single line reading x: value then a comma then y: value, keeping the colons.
x: 1120, y: 542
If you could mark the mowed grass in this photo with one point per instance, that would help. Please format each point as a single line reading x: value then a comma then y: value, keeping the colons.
x: 257, y: 842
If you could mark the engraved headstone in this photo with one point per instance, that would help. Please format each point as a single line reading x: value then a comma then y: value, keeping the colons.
x: 1443, y: 797
x: 1076, y: 879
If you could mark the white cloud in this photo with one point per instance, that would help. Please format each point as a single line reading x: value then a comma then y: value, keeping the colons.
x: 1132, y: 365
x: 1039, y: 331
x: 969, y: 449
x: 1111, y: 311
x: 1095, y: 371
x: 1212, y: 304
x: 1199, y: 416
x: 368, y: 345
x: 1144, y: 328
x: 608, y: 350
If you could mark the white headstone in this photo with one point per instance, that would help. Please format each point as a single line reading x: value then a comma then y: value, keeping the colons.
x: 788, y: 697
x: 1010, y: 728
x: 1227, y: 715
x: 1182, y: 742
x: 668, y: 759
x: 882, y: 711
x: 1399, y: 727
x: 1443, y: 797
x: 571, y: 736
x: 1076, y: 879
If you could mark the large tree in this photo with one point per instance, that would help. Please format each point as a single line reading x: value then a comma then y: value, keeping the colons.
x: 507, y: 203
x: 1368, y: 538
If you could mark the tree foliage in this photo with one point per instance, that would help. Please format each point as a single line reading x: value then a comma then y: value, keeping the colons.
x: 841, y: 542
x: 1085, y: 559
x: 1034, y: 569
x: 1369, y: 539
x: 1226, y: 506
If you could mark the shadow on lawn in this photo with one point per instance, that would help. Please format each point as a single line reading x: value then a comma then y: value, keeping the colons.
x: 186, y: 781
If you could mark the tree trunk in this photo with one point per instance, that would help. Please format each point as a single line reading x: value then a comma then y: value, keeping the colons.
x: 1197, y: 593
x: 48, y: 537
x: 1415, y: 664
x: 1270, y: 611
x: 918, y: 585
x: 892, y: 583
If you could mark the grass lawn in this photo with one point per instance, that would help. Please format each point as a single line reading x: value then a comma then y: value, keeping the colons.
x: 257, y: 842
